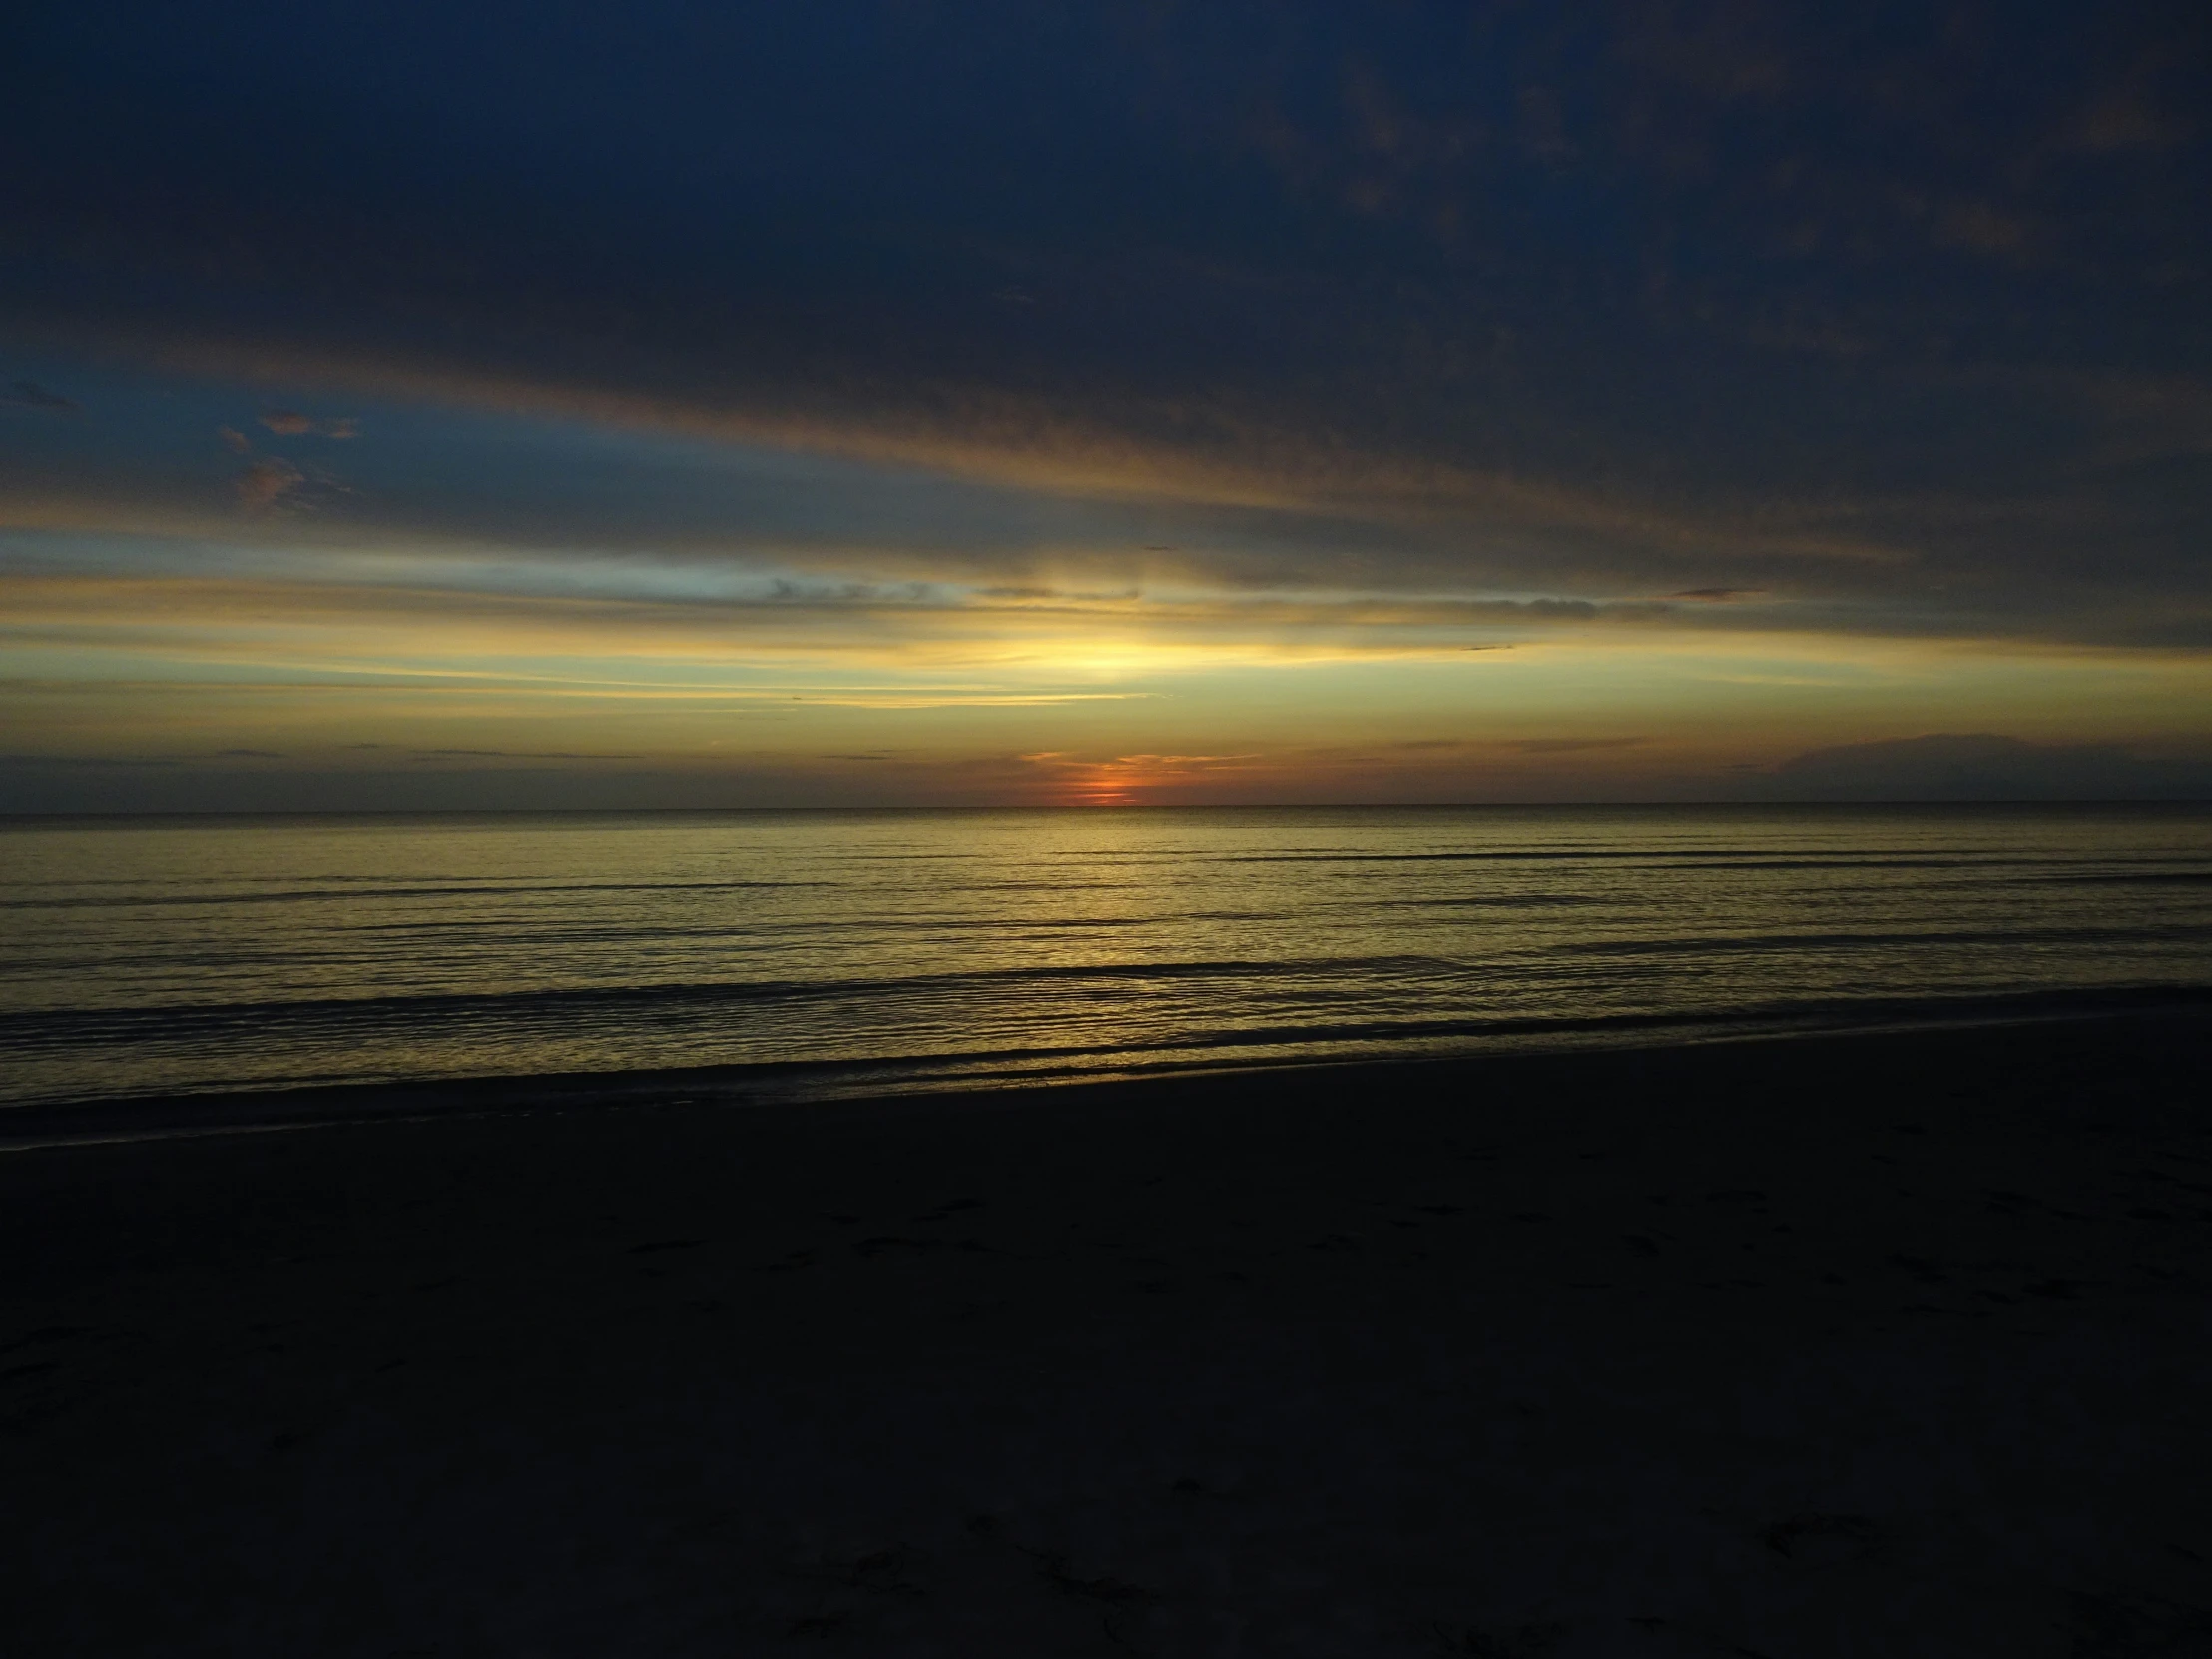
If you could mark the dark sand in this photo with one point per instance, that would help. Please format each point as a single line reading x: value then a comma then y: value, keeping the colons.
x: 1868, y: 1345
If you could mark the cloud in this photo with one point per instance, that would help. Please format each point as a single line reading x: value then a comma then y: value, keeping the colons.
x: 441, y: 609
x: 29, y: 394
x: 292, y: 423
x: 2127, y: 114
x: 1415, y: 297
x: 266, y: 482
x: 1980, y: 227
x: 251, y: 753
x: 1986, y: 765
x: 516, y: 754
x: 34, y: 760
x: 1570, y: 745
x: 235, y: 440
x: 273, y: 484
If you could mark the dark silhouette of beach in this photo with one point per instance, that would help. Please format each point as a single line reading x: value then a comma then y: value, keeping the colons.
x: 1886, y: 1344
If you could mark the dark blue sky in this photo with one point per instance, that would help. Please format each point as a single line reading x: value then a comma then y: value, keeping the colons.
x: 1822, y: 253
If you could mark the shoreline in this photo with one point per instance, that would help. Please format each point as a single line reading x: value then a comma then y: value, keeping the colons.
x: 814, y: 1084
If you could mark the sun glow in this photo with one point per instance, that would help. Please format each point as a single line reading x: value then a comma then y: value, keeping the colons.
x: 1130, y: 780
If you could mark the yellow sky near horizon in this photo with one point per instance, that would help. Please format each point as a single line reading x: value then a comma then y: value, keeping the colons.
x: 1028, y: 695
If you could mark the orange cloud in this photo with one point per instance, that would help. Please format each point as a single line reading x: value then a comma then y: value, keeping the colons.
x: 266, y: 482
x: 292, y: 423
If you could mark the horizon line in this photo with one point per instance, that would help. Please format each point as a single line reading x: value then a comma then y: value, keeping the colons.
x: 7, y: 816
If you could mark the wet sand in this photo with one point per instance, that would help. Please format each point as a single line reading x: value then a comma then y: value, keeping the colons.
x: 1883, y: 1345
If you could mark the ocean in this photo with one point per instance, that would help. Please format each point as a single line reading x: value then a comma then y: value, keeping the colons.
x: 819, y: 954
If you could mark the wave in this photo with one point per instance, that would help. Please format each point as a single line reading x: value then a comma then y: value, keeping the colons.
x: 1654, y: 862
x: 1493, y: 902
x: 1656, y: 857
x: 65, y: 1027
x: 349, y: 894
x: 1813, y: 941
x: 41, y: 1121
x: 41, y: 1030
x: 2195, y: 875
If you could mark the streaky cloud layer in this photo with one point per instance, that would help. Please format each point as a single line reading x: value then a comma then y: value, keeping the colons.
x: 1223, y: 401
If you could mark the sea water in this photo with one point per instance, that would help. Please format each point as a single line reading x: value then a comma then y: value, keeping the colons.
x: 840, y: 952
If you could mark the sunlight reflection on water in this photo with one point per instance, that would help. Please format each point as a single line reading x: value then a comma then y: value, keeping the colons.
x: 890, y: 947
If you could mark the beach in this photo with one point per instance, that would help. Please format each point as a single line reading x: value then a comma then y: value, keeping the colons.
x: 1891, y: 1342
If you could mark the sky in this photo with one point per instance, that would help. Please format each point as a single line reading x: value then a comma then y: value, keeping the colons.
x: 891, y: 402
